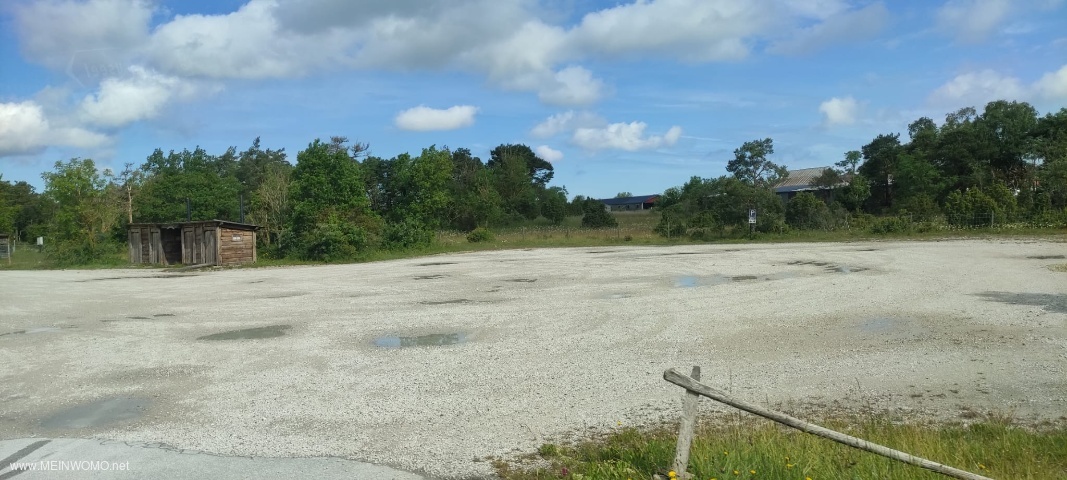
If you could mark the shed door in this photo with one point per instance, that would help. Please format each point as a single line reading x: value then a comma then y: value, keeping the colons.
x: 135, y: 246
x: 210, y: 247
x: 155, y: 251
x: 188, y: 247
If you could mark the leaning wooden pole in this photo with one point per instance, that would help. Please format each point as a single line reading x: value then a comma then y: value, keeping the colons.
x: 685, y: 429
x: 677, y: 378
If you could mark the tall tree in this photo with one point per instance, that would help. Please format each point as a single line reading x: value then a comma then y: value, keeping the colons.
x: 83, y: 211
x: 880, y: 165
x: 750, y: 164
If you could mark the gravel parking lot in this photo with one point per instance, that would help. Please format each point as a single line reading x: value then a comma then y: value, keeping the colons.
x: 432, y: 364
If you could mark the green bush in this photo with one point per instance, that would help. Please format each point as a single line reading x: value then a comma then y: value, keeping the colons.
x: 806, y: 212
x: 334, y: 241
x: 596, y: 216
x: 886, y: 225
x: 480, y: 234
x: 405, y: 235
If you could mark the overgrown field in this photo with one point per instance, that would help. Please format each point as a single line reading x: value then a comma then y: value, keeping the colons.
x: 751, y: 449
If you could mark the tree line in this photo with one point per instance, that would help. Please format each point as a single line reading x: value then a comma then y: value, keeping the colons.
x: 1007, y: 163
x: 340, y: 202
x: 337, y: 202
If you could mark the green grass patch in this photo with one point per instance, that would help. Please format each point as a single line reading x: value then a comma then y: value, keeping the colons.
x: 752, y: 449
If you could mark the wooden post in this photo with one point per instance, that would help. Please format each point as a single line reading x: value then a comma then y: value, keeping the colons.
x: 685, y: 430
x: 694, y: 386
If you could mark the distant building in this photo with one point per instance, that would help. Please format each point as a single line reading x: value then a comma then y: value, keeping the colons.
x: 802, y: 181
x: 630, y: 204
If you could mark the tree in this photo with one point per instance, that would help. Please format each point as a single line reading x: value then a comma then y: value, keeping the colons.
x: 623, y: 195
x: 1005, y: 129
x: 751, y: 166
x: 852, y: 159
x: 554, y: 204
x: 880, y: 164
x: 83, y: 211
x: 513, y: 181
x: 331, y: 217
x: 270, y: 203
x: 206, y: 181
x: 538, y: 170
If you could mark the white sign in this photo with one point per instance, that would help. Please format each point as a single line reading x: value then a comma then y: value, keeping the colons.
x: 752, y: 216
x: 40, y: 241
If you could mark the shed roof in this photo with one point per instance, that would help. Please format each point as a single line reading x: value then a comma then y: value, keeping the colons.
x: 630, y: 200
x: 220, y: 223
x: 802, y: 179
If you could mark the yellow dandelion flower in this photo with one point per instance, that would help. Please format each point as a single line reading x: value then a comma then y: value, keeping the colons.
x: 724, y: 452
x: 752, y: 472
x: 737, y: 472
x: 981, y: 467
x: 672, y: 474
x: 789, y: 465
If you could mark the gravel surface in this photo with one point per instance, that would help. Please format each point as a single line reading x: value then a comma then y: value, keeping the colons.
x: 326, y: 361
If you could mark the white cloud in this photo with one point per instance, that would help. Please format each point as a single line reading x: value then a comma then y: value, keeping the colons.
x: 572, y: 86
x: 566, y: 122
x: 972, y: 21
x: 624, y: 136
x: 977, y: 88
x: 25, y: 129
x: 848, y: 26
x: 141, y: 95
x: 424, y: 119
x: 548, y: 154
x: 53, y: 32
x: 840, y: 111
x: 1053, y: 85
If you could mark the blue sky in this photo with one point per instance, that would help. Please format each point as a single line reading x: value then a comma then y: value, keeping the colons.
x: 619, y: 96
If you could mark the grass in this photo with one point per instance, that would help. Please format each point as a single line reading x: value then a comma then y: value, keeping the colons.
x: 751, y: 449
x: 29, y: 258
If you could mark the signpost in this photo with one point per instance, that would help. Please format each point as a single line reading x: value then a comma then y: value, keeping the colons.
x: 752, y: 220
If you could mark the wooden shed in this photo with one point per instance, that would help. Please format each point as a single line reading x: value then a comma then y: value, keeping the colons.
x: 212, y: 242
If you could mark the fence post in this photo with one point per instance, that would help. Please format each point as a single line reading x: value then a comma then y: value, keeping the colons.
x: 685, y: 430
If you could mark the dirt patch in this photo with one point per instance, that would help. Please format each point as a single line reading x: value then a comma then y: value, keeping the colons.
x: 257, y: 333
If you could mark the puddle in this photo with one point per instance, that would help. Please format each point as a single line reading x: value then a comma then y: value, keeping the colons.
x: 139, y: 318
x: 447, y: 302
x: 880, y: 324
x: 432, y: 340
x: 284, y: 294
x: 617, y: 296
x: 687, y: 282
x: 256, y: 333
x: 33, y: 331
x: 681, y: 253
x: 163, y: 315
x: 1051, y: 302
x: 743, y: 278
x: 429, y: 277
x: 597, y: 252
x: 97, y: 414
x: 1047, y: 257
x: 434, y: 264
x: 846, y: 269
x: 691, y: 281
x: 522, y: 280
x: 169, y: 275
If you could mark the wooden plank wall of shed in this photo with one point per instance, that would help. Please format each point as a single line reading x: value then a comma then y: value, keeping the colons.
x: 198, y: 244
x: 236, y: 246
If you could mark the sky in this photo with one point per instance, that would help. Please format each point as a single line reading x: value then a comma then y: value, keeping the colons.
x: 635, y: 96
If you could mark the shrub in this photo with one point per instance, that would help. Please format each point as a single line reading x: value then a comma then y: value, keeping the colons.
x: 888, y: 225
x: 806, y: 212
x: 333, y: 241
x: 406, y: 234
x: 480, y: 234
x: 596, y: 216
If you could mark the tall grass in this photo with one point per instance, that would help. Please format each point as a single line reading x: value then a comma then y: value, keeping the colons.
x: 754, y: 449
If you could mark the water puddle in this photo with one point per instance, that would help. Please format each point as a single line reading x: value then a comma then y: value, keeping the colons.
x: 256, y: 333
x: 97, y: 414
x: 283, y: 295
x: 1051, y: 302
x: 522, y: 280
x: 163, y: 315
x: 34, y: 331
x: 831, y: 268
x: 692, y: 281
x: 1047, y: 257
x: 846, y: 269
x: 429, y: 277
x: 880, y: 325
x: 432, y: 340
x: 434, y: 264
x: 447, y: 302
x: 617, y: 296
